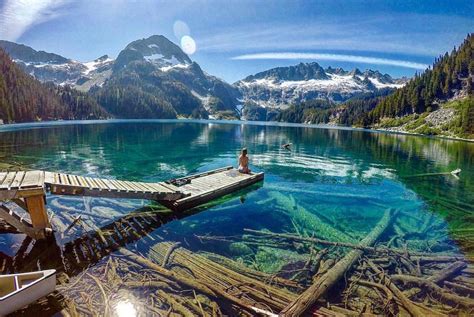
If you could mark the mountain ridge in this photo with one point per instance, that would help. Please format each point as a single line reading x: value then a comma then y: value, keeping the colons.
x: 281, y: 87
x: 25, y: 99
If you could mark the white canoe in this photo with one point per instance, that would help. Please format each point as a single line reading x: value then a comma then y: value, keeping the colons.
x: 19, y: 290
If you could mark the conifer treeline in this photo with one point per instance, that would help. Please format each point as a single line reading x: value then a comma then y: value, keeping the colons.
x: 24, y: 99
x: 450, y: 73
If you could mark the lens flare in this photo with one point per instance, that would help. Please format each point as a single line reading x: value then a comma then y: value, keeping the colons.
x: 188, y: 45
x: 180, y: 29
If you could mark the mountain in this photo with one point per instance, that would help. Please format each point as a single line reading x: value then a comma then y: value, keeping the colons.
x: 24, y: 99
x: 150, y: 78
x: 157, y: 50
x: 60, y: 70
x: 154, y: 78
x: 282, y: 86
x: 438, y: 101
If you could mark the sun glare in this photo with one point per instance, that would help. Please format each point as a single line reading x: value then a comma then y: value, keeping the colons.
x: 125, y: 309
x: 188, y: 45
x: 180, y: 29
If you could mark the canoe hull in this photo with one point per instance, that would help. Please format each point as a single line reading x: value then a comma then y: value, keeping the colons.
x: 28, y: 294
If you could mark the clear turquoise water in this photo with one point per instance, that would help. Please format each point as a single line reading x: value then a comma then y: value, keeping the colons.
x: 333, y: 184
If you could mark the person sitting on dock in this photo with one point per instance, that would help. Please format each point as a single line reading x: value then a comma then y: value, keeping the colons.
x: 244, y: 162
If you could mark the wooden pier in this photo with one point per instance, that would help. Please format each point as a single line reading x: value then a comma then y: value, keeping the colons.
x: 28, y: 190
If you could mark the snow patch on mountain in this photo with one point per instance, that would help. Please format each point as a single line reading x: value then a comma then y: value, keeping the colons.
x: 170, y: 67
x: 95, y: 64
x: 282, y: 86
x: 166, y: 63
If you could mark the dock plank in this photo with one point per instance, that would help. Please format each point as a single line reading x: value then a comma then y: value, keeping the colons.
x: 102, y: 184
x: 2, y: 177
x: 118, y: 185
x: 131, y: 186
x: 92, y: 183
x: 32, y: 179
x: 72, y: 180
x: 109, y: 184
x: 8, y: 180
x: 63, y: 179
x: 17, y: 180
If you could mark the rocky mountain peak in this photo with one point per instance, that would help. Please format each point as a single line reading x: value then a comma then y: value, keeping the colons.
x: 103, y: 58
x: 302, y: 71
x: 156, y: 49
x: 27, y: 55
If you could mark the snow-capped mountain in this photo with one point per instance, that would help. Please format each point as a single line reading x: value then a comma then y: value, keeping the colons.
x: 154, y: 68
x: 279, y: 87
x: 50, y: 67
x: 157, y: 50
x: 159, y: 71
x: 153, y: 77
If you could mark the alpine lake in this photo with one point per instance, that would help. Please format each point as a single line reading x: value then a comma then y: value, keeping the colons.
x: 332, y: 184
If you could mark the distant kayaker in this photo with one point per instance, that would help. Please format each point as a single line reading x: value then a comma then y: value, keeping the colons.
x: 244, y: 162
x: 287, y: 146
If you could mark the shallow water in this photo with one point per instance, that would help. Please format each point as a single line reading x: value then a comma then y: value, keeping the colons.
x: 343, y: 179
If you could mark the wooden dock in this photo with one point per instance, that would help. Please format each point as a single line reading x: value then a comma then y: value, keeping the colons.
x: 204, y: 187
x: 28, y: 189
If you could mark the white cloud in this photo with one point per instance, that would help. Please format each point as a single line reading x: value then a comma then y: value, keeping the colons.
x: 408, y: 34
x: 332, y: 57
x: 17, y: 16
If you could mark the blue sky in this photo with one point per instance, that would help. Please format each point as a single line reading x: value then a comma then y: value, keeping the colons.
x: 238, y: 38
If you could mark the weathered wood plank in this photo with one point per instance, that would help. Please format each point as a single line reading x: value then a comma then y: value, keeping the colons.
x: 73, y: 180
x: 48, y: 178
x: 130, y: 186
x: 142, y: 187
x: 8, y: 180
x: 159, y: 188
x: 31, y: 179
x: 2, y: 176
x: 17, y: 180
x: 118, y: 185
x: 102, y: 184
x: 93, y: 184
x: 37, y: 210
x: 20, y: 223
x: 148, y: 188
x: 109, y: 184
x: 82, y: 181
x: 63, y: 179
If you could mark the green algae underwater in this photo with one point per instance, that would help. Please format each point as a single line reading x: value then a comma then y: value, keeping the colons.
x: 333, y: 185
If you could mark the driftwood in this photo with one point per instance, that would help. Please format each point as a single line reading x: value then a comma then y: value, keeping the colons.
x: 316, y: 290
x: 422, y: 256
x: 435, y: 289
x: 167, y: 273
x: 407, y: 304
x: 222, y: 279
x: 210, y: 289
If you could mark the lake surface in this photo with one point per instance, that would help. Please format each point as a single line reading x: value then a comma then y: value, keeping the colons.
x: 333, y: 184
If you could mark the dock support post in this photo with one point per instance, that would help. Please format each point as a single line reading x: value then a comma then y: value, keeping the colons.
x: 36, y: 207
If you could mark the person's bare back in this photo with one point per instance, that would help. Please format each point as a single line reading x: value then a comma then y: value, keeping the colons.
x: 244, y: 162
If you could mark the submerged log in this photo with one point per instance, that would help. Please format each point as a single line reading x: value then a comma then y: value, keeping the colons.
x: 404, y: 300
x: 331, y: 277
x: 223, y: 278
x: 167, y: 273
x: 442, y: 293
x: 448, y: 272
